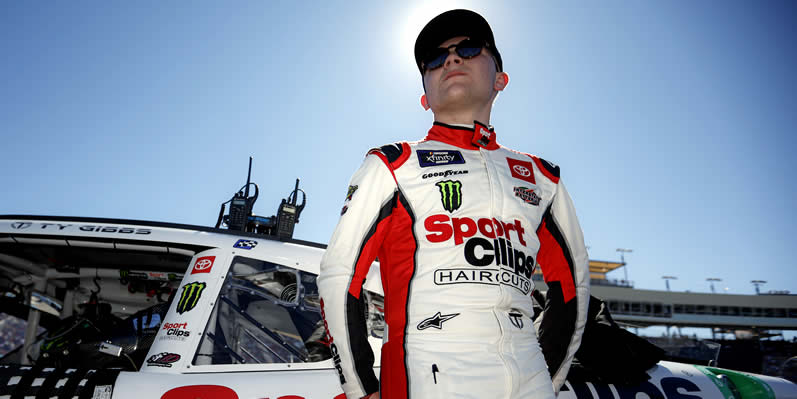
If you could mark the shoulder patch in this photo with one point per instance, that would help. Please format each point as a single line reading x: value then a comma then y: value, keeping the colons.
x: 550, y: 170
x: 391, y: 151
x: 395, y: 153
x: 551, y: 167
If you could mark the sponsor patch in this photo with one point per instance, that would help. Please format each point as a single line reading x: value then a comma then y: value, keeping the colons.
x: 444, y: 174
x: 482, y: 137
x: 436, y: 321
x: 491, y: 276
x: 333, y: 349
x: 189, y: 297
x: 487, y: 245
x: 245, y: 244
x: 163, y: 359
x: 516, y: 318
x: 351, y: 191
x: 521, y: 170
x: 450, y: 194
x: 175, y: 332
x: 203, y: 265
x: 438, y: 158
x: 527, y: 195
x: 349, y: 196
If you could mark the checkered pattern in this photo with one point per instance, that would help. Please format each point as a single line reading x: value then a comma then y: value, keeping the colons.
x: 245, y: 244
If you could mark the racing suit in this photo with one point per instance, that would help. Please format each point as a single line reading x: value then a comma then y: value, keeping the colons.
x: 458, y: 223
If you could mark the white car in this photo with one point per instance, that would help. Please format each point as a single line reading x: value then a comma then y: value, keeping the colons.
x: 133, y: 309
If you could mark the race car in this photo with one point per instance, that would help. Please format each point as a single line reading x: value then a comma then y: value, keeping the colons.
x: 134, y: 309
x: 118, y: 309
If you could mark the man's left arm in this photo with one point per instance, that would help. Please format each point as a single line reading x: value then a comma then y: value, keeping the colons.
x: 565, y: 266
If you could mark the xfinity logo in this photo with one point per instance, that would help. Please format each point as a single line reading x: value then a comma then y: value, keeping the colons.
x: 439, y: 158
x: 20, y: 225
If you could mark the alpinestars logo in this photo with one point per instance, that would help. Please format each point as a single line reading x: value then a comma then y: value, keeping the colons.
x: 436, y: 321
x: 190, y: 296
x: 527, y: 195
x: 450, y: 194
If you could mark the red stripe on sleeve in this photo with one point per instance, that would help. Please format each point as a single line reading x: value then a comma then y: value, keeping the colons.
x: 397, y: 265
x: 367, y: 256
x: 554, y: 265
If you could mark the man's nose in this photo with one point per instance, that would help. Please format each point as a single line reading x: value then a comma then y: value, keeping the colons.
x: 452, y: 57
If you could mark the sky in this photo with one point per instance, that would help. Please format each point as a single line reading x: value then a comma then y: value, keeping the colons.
x: 673, y: 122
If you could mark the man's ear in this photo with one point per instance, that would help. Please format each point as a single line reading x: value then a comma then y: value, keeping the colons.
x: 424, y: 103
x: 501, y: 81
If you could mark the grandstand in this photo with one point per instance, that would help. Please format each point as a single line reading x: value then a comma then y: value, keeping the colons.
x: 643, y: 308
x: 751, y: 319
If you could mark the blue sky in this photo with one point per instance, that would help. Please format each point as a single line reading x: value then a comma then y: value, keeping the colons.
x: 673, y: 122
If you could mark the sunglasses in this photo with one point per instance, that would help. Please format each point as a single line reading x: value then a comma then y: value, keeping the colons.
x: 465, y: 49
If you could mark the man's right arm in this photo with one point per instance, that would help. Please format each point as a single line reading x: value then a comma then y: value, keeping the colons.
x: 354, y: 245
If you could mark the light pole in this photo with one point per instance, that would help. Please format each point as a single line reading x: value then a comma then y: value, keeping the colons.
x: 667, y: 280
x: 712, y: 280
x: 758, y: 283
x: 622, y: 252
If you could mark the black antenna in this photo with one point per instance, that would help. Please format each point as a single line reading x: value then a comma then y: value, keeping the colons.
x: 248, y: 179
x: 295, y: 192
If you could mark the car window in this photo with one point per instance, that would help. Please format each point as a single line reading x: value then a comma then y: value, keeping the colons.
x: 270, y: 313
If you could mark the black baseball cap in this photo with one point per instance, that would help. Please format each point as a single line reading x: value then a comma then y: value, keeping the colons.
x: 452, y: 24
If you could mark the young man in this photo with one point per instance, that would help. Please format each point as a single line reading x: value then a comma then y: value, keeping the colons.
x: 458, y: 223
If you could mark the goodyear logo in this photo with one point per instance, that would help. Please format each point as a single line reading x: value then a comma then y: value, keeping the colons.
x: 190, y: 296
x: 450, y: 194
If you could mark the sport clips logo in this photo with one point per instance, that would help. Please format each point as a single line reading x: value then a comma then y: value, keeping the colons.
x: 488, y: 247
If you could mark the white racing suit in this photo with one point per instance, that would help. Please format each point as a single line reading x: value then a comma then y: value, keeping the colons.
x: 458, y: 224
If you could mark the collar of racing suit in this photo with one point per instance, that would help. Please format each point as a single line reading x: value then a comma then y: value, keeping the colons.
x: 466, y: 137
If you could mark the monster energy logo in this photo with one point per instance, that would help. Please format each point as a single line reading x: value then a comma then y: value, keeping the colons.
x: 450, y: 194
x: 190, y: 296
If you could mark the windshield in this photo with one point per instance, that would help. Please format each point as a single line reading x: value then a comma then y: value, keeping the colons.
x: 269, y: 313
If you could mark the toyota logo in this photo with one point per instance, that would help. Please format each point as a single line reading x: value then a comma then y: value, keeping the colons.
x: 20, y: 225
x: 203, y: 264
x: 522, y: 170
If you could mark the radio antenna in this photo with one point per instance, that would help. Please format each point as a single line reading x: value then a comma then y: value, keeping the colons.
x: 248, y: 178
